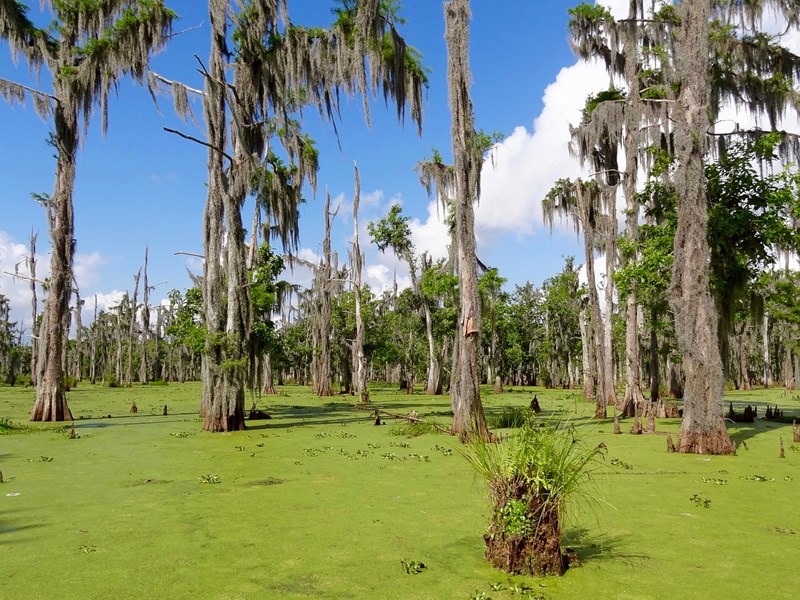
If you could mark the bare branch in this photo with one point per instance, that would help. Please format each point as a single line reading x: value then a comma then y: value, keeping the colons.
x: 201, y: 142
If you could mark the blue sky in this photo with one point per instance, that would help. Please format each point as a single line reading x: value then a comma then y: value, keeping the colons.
x: 140, y: 186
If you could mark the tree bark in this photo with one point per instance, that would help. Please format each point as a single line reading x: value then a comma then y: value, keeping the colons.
x: 703, y: 426
x: 468, y: 416
x: 321, y: 368
x: 51, y: 399
x: 224, y: 292
x: 360, y: 359
x: 633, y: 401
x: 34, y: 307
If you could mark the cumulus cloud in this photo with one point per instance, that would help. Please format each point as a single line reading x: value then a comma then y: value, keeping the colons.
x: 13, y: 256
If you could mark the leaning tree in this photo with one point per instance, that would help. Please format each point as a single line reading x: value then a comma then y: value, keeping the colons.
x: 87, y: 48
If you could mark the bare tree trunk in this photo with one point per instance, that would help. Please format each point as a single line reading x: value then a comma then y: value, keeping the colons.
x: 587, y: 359
x: 595, y: 329
x: 34, y: 307
x: 360, y: 359
x: 633, y: 400
x: 132, y: 329
x: 703, y: 426
x: 118, y: 338
x: 609, y: 384
x: 788, y: 372
x: 78, y: 367
x: 468, y: 416
x: 655, y: 367
x: 51, y: 399
x: 767, y: 366
x: 145, y: 325
x: 322, y: 371
x: 93, y: 347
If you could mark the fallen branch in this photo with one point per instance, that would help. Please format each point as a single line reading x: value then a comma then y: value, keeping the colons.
x: 413, y: 419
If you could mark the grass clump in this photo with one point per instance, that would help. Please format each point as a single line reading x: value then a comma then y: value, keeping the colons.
x: 531, y: 477
x: 510, y: 418
x: 9, y: 427
x: 410, y: 430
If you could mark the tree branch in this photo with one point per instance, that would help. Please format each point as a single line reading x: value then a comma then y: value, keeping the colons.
x: 201, y: 142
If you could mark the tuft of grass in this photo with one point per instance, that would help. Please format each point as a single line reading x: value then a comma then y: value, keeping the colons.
x: 550, y: 456
x: 9, y: 427
x: 410, y: 430
x: 510, y: 418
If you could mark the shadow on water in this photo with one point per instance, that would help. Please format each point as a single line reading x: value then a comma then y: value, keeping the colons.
x: 595, y: 547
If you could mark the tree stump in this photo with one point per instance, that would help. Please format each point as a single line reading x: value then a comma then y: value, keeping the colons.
x: 134, y: 408
x: 498, y: 385
x: 795, y: 432
x: 670, y: 444
x: 617, y: 430
x: 166, y: 411
x: 637, y: 426
x: 782, y: 455
x: 536, y: 551
x: 535, y: 405
x: 651, y: 424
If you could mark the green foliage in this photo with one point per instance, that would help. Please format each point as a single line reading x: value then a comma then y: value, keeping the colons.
x: 587, y: 12
x: 393, y: 232
x: 511, y: 417
x: 515, y: 519
x: 8, y: 427
x: 549, y: 456
x: 612, y: 94
x: 410, y: 430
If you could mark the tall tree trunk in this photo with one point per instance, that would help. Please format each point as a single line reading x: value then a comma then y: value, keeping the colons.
x: 468, y: 416
x: 78, y: 366
x: 34, y: 307
x: 226, y: 300
x: 609, y: 385
x: 360, y: 359
x: 93, y: 346
x: 145, y: 324
x: 703, y: 426
x: 767, y: 381
x: 655, y: 367
x: 51, y: 399
x: 633, y: 400
x: 132, y: 329
x: 322, y: 355
x: 595, y: 330
x: 118, y: 338
x: 587, y: 359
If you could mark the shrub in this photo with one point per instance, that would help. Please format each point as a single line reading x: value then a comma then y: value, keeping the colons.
x: 111, y: 380
x: 69, y: 382
x: 531, y: 477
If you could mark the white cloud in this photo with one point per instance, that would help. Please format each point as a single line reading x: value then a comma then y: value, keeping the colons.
x: 85, y: 268
x: 12, y: 259
x: 431, y: 236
